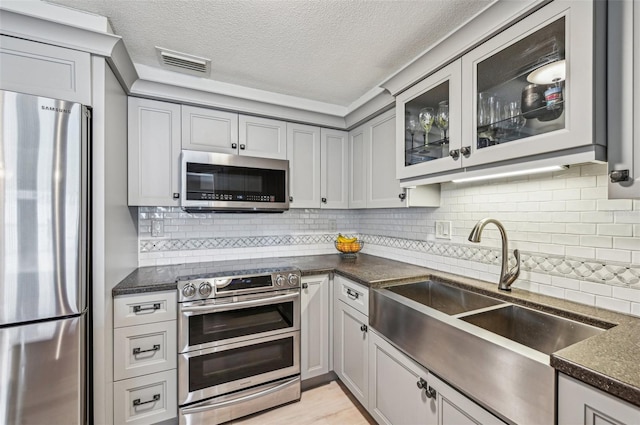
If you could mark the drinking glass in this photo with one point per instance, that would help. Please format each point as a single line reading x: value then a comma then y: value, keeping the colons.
x: 514, y: 113
x: 427, y: 116
x: 483, y: 109
x: 413, y: 125
x: 442, y: 118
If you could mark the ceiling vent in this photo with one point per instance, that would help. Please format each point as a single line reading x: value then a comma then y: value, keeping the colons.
x: 183, y: 62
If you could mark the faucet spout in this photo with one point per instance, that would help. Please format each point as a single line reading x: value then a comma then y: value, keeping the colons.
x: 507, y: 277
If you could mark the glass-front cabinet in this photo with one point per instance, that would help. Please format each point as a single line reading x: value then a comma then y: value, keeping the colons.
x: 428, y: 124
x: 536, y: 89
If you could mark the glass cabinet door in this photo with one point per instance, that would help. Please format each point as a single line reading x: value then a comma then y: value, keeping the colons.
x: 522, y: 87
x: 428, y: 124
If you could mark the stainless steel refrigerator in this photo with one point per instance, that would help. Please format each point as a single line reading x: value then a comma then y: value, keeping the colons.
x: 43, y: 260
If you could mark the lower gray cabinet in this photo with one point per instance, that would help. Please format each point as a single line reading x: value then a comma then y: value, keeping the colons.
x: 579, y: 403
x: 403, y: 392
x: 351, y: 352
x: 396, y: 393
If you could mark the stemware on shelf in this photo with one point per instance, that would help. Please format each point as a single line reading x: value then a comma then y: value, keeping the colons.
x: 442, y: 118
x: 413, y: 125
x: 427, y: 117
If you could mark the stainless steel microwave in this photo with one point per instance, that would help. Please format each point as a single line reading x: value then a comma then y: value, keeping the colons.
x: 233, y: 183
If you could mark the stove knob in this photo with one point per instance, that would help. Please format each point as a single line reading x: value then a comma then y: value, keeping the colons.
x: 205, y: 289
x: 280, y: 280
x: 189, y: 290
x: 294, y: 280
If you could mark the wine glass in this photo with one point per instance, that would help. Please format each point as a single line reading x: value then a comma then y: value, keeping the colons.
x: 442, y: 119
x: 427, y: 116
x: 413, y: 125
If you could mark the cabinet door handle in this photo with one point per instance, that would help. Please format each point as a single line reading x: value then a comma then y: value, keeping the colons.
x: 305, y: 285
x: 290, y: 198
x: 431, y: 393
x: 156, y: 347
x: 363, y: 328
x: 176, y: 195
x: 234, y: 145
x: 455, y: 154
x: 242, y: 147
x: 352, y: 294
x: 137, y: 401
x: 422, y: 384
x: 324, y: 200
x: 466, y: 150
x: 138, y: 309
x: 402, y: 196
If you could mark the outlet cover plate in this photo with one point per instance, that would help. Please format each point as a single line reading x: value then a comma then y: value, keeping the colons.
x: 443, y: 230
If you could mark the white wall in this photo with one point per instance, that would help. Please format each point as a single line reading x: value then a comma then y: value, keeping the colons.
x: 575, y: 243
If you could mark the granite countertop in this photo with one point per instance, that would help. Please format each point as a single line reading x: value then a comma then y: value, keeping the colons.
x: 608, y: 361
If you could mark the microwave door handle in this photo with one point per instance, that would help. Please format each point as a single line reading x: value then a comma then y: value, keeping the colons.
x: 207, y: 405
x: 204, y: 309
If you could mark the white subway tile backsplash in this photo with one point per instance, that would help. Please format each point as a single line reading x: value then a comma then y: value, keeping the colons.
x: 615, y: 204
x: 613, y: 304
x: 615, y: 229
x: 547, y: 217
x: 596, y: 241
x: 596, y: 288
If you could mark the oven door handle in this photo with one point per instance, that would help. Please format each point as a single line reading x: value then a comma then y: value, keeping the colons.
x: 207, y: 405
x: 204, y: 309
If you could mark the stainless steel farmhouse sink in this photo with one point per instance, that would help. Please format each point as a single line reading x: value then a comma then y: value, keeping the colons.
x: 495, y: 352
x: 540, y: 331
x: 444, y: 298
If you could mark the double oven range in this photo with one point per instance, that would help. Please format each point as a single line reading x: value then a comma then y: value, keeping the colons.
x: 238, y: 344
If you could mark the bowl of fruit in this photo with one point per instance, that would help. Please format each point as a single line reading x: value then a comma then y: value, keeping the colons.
x: 348, y: 246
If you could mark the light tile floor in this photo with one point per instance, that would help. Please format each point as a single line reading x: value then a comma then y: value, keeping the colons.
x: 328, y: 404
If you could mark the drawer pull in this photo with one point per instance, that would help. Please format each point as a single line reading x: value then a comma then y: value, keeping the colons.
x: 352, y: 294
x: 156, y: 347
x: 137, y: 401
x: 138, y: 309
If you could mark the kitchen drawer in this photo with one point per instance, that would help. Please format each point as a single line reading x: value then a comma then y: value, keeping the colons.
x: 154, y: 343
x: 129, y: 310
x: 146, y: 399
x: 353, y: 294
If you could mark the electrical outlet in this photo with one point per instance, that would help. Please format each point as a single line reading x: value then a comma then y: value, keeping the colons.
x: 333, y: 225
x: 443, y: 230
x: 157, y: 228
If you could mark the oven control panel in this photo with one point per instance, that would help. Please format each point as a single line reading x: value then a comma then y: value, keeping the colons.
x: 202, y: 287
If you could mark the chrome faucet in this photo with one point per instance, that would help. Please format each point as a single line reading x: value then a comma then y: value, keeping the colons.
x: 507, y: 277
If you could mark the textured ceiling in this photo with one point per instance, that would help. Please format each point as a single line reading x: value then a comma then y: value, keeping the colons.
x: 331, y: 51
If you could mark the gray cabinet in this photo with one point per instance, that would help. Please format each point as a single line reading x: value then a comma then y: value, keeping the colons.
x: 334, y: 169
x: 44, y: 70
x: 154, y: 153
x: 314, y: 332
x: 209, y: 130
x: 394, y: 395
x: 303, y: 153
x: 351, y: 337
x: 579, y: 403
x: 623, y: 91
x: 372, y: 178
x: 262, y: 137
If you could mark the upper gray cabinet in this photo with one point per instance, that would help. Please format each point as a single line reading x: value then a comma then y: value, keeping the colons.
x: 44, y: 70
x: 534, y: 93
x: 227, y: 132
x: 209, y: 130
x: 623, y: 91
x: 153, y: 153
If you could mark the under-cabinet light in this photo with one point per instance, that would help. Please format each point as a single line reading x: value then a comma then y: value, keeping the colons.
x: 512, y: 173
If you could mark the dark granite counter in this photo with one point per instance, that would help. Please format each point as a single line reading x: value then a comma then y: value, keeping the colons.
x: 608, y: 361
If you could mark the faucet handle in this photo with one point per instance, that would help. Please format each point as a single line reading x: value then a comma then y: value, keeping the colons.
x: 516, y: 253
